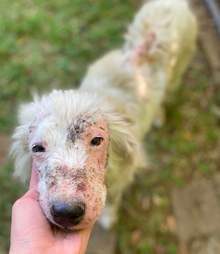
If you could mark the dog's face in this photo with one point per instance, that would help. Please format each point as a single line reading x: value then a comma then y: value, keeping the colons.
x: 71, y: 160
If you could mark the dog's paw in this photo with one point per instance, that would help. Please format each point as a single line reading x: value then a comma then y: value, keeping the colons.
x: 159, y: 119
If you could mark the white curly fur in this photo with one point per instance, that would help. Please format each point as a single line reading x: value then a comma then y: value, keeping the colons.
x: 126, y: 87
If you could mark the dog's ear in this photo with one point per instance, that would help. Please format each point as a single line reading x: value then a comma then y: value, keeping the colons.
x: 20, y: 147
x: 125, y: 148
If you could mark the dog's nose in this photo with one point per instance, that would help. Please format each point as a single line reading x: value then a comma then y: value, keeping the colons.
x: 68, y: 215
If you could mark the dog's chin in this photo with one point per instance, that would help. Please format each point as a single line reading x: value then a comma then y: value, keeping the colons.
x: 81, y: 226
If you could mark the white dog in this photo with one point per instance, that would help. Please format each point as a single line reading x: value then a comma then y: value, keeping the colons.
x: 82, y: 141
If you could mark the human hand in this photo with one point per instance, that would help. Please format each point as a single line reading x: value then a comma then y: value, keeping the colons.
x: 32, y: 234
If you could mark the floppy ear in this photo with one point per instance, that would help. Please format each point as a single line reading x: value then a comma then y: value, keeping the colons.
x: 123, y: 142
x: 20, y: 138
x: 125, y: 155
x: 124, y: 145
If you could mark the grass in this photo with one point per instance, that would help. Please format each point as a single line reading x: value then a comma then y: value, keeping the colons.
x: 49, y: 44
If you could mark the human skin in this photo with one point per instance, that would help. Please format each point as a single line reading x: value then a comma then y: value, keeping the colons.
x: 32, y: 234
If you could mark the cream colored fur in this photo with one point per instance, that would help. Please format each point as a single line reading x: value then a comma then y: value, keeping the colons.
x: 127, y: 87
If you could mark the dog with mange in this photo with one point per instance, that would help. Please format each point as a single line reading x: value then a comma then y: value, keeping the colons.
x: 85, y: 143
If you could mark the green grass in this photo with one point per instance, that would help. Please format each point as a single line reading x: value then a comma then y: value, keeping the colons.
x: 49, y: 44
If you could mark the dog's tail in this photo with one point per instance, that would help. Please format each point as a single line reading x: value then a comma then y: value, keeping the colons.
x: 163, y: 35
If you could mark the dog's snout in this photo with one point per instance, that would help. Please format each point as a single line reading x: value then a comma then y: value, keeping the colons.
x: 68, y: 215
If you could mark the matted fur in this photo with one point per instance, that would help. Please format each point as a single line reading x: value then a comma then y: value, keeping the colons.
x: 126, y: 88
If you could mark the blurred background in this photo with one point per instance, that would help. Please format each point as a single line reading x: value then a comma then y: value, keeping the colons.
x: 174, y: 206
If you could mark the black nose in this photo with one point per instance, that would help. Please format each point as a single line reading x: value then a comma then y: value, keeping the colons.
x: 67, y: 215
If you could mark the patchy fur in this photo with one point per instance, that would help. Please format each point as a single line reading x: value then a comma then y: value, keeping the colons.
x: 118, y: 100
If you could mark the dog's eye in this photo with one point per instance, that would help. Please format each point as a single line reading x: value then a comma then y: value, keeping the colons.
x: 38, y: 148
x: 96, y: 141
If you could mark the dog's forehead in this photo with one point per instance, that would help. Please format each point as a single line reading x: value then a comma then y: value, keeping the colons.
x: 80, y: 124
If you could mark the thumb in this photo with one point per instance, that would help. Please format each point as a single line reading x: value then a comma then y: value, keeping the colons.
x: 34, y: 179
x: 27, y: 216
x: 75, y: 242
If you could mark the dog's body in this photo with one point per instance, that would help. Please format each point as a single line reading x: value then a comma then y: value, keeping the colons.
x: 93, y: 135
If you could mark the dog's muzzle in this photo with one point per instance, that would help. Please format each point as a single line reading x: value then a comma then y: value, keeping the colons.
x: 67, y: 215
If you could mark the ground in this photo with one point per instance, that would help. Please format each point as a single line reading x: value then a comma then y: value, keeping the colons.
x: 47, y: 44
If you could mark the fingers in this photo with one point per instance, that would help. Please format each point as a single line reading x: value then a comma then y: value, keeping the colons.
x: 84, y: 240
x: 34, y: 179
x: 74, y: 243
x: 26, y: 209
x: 28, y: 222
x: 32, y: 193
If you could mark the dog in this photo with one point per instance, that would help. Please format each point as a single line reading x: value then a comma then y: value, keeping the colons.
x: 87, y: 142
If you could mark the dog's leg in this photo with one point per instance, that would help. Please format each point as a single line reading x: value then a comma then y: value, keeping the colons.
x: 108, y: 217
